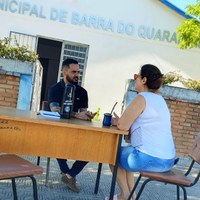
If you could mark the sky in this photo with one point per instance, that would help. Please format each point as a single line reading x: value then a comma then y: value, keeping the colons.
x: 182, y: 3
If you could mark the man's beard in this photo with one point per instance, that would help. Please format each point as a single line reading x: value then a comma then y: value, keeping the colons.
x: 72, y: 81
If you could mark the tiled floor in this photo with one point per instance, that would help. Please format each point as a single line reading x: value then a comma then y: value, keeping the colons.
x: 56, y: 190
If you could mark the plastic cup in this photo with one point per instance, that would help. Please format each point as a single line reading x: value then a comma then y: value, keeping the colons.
x: 107, y: 119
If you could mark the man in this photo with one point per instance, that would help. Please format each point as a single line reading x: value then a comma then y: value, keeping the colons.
x: 70, y: 71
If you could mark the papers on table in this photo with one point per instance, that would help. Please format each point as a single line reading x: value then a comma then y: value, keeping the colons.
x: 49, y: 114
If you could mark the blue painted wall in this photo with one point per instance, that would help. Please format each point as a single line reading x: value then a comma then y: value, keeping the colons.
x: 24, y: 95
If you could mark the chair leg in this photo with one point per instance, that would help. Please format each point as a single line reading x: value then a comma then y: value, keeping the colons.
x: 35, y: 193
x: 178, y: 192
x: 98, y: 178
x: 14, y: 189
x: 134, y: 188
x: 142, y: 188
x: 47, y: 171
x: 184, y: 193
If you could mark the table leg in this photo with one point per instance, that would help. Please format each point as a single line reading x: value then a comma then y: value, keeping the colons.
x: 47, y: 171
x: 112, y: 189
x: 38, y: 160
x: 98, y: 178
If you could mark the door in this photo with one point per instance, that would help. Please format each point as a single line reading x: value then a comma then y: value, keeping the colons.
x: 49, y: 55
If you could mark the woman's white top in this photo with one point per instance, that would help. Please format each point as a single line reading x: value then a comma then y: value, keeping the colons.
x: 151, y: 131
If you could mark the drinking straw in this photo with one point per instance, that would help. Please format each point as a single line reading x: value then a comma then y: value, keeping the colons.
x: 113, y: 108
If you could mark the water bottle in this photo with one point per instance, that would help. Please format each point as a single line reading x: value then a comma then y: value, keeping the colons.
x: 68, y: 101
x: 96, y: 117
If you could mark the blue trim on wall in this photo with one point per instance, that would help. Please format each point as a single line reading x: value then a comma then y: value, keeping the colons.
x: 176, y: 9
x: 24, y: 95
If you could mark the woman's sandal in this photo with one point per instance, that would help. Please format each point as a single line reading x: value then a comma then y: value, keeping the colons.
x: 115, y: 197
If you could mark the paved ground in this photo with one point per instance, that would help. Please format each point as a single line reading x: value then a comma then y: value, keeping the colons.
x: 56, y: 190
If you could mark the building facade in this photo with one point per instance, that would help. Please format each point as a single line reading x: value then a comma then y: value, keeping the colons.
x: 110, y: 39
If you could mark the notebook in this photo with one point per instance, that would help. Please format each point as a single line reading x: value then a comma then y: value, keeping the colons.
x: 49, y: 114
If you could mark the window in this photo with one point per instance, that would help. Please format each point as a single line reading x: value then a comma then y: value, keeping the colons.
x: 78, y: 52
x: 23, y: 39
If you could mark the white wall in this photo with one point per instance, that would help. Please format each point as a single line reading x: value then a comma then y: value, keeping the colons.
x: 113, y: 57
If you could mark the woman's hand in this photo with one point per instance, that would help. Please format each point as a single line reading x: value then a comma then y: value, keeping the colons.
x: 115, y: 119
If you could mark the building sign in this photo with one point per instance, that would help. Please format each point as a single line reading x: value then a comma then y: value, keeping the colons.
x: 86, y: 20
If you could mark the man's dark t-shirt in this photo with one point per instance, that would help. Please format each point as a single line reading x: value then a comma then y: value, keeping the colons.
x: 56, y: 95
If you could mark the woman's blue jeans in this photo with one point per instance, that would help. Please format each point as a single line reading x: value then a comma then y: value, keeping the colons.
x: 133, y: 160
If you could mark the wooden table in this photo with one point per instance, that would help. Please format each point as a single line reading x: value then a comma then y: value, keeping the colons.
x: 26, y: 133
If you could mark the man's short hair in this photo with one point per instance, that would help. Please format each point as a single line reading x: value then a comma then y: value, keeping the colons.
x: 68, y: 61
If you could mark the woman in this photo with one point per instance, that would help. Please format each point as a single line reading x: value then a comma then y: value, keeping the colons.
x: 148, y: 120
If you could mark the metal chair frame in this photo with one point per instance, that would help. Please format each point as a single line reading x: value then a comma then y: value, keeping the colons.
x: 17, y: 167
x: 175, y: 176
x: 35, y: 192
